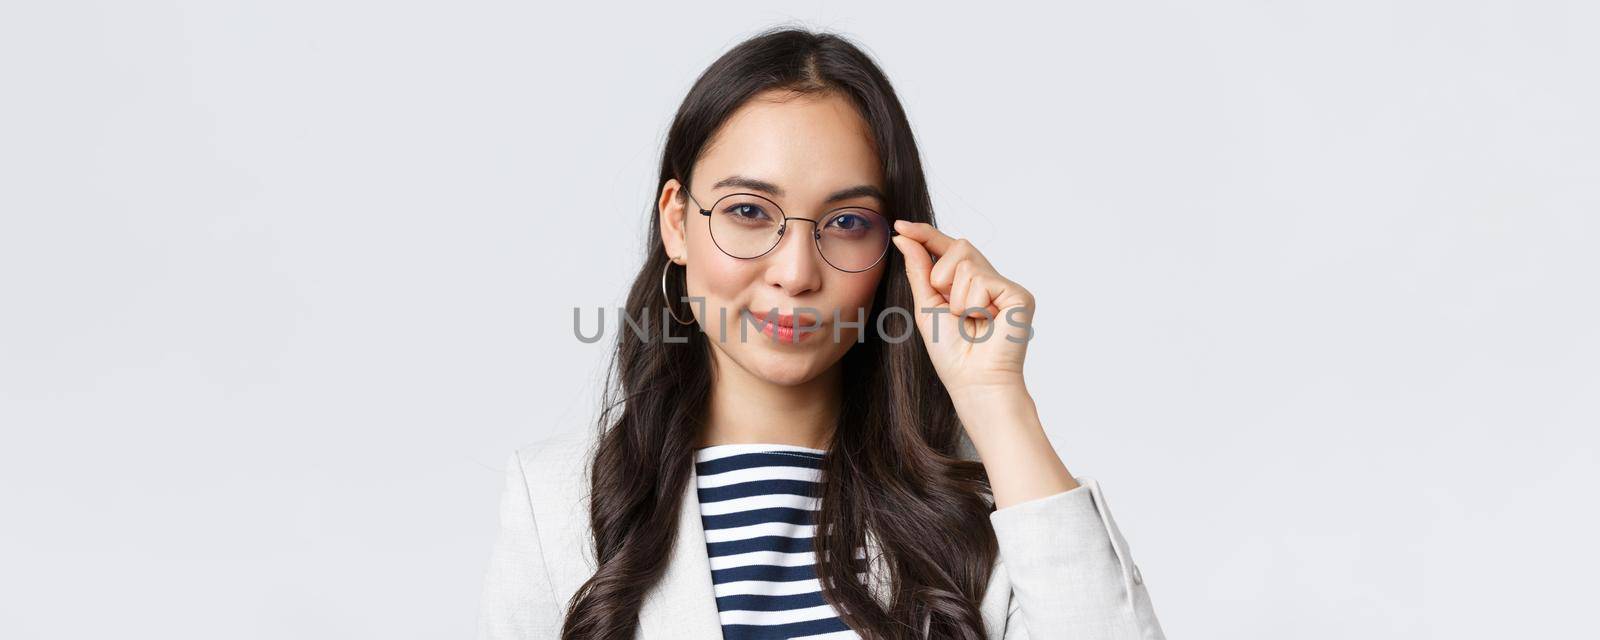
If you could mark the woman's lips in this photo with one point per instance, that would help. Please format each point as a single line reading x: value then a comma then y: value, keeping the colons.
x: 783, y: 327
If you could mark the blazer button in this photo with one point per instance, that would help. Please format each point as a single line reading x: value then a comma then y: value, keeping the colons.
x: 1138, y: 578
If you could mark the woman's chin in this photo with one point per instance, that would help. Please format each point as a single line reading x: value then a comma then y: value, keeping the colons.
x: 786, y: 369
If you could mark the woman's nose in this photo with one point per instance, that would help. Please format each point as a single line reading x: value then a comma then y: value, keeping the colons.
x: 795, y: 263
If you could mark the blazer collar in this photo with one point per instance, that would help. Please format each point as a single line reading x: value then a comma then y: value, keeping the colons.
x: 683, y: 603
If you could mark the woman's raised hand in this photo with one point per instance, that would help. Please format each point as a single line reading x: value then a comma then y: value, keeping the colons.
x: 979, y: 338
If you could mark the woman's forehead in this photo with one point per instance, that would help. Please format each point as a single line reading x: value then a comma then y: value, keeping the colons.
x: 804, y: 145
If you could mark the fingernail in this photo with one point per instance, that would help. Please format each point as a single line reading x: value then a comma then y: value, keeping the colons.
x: 902, y: 224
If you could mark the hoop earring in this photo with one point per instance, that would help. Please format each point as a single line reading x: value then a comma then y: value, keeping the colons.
x: 670, y: 303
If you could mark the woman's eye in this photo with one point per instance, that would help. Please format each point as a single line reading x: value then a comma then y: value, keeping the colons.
x: 748, y: 211
x: 849, y: 222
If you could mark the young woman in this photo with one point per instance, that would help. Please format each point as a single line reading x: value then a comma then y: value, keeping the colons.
x: 826, y: 432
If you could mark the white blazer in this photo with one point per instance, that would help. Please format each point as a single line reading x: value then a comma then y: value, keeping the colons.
x: 1064, y: 569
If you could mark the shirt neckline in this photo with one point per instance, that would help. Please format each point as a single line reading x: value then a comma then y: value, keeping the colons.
x: 759, y: 446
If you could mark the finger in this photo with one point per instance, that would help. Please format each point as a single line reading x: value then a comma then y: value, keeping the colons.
x: 962, y: 250
x: 1005, y: 295
x: 961, y: 283
x: 1011, y: 309
x: 944, y: 270
x: 980, y: 294
x: 939, y: 243
x: 928, y: 235
x: 918, y: 264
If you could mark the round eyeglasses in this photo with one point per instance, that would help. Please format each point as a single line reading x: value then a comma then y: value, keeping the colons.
x: 748, y: 226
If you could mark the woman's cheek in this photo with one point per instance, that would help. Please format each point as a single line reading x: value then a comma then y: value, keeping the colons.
x: 856, y: 304
x: 864, y: 290
x: 722, y: 285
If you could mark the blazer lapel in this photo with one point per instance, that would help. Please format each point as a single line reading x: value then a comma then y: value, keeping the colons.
x: 683, y: 605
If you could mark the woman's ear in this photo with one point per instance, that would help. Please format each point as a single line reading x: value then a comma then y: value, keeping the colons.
x: 674, y: 236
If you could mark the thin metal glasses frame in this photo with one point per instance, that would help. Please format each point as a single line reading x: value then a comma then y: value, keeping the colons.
x: 816, y: 229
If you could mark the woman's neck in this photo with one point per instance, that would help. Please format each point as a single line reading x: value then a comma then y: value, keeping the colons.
x: 747, y: 409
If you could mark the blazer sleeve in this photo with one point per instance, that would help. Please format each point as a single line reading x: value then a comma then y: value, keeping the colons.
x: 518, y: 600
x: 1071, y: 570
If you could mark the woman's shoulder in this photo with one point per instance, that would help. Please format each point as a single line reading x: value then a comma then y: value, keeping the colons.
x: 559, y: 443
x: 554, y: 471
x: 557, y: 464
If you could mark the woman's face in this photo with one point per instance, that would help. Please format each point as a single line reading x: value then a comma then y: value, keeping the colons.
x: 809, y: 147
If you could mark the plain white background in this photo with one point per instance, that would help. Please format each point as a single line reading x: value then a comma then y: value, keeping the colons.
x: 282, y: 283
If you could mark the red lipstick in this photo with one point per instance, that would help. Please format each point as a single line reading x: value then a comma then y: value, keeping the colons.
x: 788, y: 328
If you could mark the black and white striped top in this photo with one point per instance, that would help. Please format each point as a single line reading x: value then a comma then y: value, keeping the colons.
x: 758, y: 503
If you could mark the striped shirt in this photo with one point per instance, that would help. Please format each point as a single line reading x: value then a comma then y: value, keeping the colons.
x: 758, y: 503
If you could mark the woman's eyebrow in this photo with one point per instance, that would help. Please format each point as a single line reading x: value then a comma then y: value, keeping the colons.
x: 856, y: 191
x: 777, y: 191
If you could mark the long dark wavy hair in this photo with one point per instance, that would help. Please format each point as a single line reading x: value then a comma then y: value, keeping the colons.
x: 895, y: 466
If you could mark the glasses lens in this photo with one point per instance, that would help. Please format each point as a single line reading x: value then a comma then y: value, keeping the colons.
x: 854, y: 239
x: 745, y: 225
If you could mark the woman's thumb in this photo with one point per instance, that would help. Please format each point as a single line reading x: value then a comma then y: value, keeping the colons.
x: 919, y: 266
